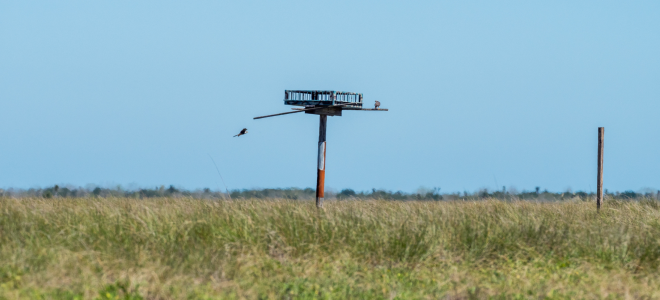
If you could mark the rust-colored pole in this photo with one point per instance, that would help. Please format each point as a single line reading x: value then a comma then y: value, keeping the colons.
x: 599, y: 181
x: 320, y: 175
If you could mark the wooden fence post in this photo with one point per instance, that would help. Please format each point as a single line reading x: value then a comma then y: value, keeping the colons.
x: 599, y: 181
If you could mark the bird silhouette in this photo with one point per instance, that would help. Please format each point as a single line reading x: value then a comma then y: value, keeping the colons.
x: 377, y: 104
x: 244, y: 131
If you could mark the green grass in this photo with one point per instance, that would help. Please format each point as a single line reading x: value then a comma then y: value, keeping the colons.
x: 121, y: 248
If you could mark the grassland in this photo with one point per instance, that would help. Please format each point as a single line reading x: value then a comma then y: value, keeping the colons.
x: 165, y: 248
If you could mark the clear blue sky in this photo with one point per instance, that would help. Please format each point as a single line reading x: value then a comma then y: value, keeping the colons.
x: 481, y: 93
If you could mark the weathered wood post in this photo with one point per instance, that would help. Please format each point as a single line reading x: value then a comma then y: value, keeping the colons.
x: 320, y: 175
x: 599, y: 181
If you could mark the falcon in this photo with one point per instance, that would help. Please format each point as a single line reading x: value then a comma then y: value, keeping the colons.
x: 244, y: 131
x: 377, y: 104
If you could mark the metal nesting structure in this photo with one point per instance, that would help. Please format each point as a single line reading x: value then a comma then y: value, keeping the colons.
x: 322, y: 98
x: 323, y: 103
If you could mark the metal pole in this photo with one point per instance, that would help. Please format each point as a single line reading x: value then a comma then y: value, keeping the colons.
x: 599, y: 181
x: 320, y: 175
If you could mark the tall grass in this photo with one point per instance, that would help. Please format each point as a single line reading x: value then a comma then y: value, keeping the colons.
x: 188, y: 248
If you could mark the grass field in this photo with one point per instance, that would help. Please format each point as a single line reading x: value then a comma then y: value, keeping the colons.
x: 164, y: 248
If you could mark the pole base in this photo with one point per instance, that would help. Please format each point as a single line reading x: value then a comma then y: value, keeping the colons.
x: 319, y: 202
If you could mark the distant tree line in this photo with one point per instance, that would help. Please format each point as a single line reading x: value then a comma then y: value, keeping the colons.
x: 309, y: 193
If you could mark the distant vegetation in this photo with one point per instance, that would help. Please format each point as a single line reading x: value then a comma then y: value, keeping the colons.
x: 185, y: 248
x: 309, y: 193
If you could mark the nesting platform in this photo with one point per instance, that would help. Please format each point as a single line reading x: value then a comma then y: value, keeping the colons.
x: 322, y: 98
x: 323, y: 103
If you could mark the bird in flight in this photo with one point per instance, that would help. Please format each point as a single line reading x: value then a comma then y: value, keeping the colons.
x: 377, y: 104
x: 244, y: 131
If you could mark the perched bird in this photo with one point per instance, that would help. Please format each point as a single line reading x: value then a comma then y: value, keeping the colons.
x: 244, y: 131
x: 377, y: 104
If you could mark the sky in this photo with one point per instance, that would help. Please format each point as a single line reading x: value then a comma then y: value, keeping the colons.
x: 481, y: 94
